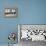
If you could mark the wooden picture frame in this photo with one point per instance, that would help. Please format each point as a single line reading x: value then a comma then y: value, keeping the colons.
x: 11, y: 12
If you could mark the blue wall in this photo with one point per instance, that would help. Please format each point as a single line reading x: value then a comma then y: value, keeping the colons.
x: 29, y: 12
x: 33, y: 12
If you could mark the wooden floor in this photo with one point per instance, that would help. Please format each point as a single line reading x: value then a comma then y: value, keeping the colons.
x: 30, y: 43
